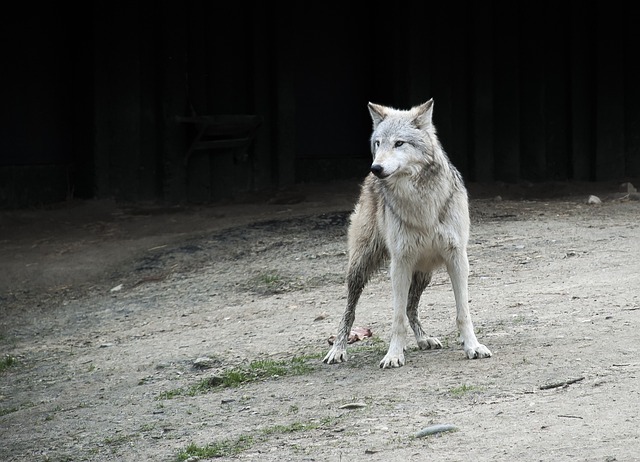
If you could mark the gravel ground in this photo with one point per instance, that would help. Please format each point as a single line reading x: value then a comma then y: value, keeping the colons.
x: 121, y: 327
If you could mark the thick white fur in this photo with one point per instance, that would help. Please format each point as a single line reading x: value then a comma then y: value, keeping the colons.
x: 413, y: 211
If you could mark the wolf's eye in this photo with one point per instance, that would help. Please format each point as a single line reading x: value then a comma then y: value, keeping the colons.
x: 398, y: 144
x: 376, y: 143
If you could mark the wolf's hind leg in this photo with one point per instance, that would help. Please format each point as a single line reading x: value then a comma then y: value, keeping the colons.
x: 418, y: 284
x: 363, y: 262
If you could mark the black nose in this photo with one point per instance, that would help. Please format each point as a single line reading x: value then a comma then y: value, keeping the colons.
x: 376, y: 169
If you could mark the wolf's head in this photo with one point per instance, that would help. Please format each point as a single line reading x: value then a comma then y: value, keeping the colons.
x: 403, y: 142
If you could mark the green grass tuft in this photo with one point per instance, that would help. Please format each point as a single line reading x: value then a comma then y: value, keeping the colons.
x: 7, y: 362
x: 463, y: 390
x: 232, y: 447
x: 224, y: 448
x: 262, y: 369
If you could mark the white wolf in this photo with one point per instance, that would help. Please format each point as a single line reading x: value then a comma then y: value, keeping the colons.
x: 413, y: 210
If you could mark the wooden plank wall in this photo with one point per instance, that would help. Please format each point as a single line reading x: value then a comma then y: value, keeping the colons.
x: 533, y: 92
x: 523, y: 91
x: 548, y: 88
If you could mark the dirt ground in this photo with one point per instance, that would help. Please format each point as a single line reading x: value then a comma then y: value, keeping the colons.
x: 118, y: 323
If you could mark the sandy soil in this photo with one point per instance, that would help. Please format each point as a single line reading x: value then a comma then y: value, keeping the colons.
x: 113, y: 316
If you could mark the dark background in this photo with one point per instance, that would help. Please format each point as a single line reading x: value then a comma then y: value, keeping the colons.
x: 524, y: 91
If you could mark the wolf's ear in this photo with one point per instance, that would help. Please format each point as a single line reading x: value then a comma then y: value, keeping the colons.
x: 378, y: 113
x: 424, y: 114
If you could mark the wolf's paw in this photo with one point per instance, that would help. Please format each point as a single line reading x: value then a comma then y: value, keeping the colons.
x: 429, y: 343
x: 335, y: 355
x: 391, y: 360
x: 478, y: 352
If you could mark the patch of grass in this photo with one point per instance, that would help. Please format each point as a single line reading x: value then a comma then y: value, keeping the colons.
x: 262, y: 369
x: 231, y: 378
x: 6, y: 362
x: 170, y: 394
x: 224, y: 448
x: 270, y: 279
x: 117, y: 440
x: 272, y: 282
x: 11, y: 410
x: 147, y: 427
x: 232, y: 447
x: 8, y: 410
x: 463, y: 390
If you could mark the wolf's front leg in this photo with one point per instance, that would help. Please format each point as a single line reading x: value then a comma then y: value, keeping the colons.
x: 458, y: 269
x: 362, y: 264
x: 400, y: 281
x: 338, y: 352
x: 366, y: 253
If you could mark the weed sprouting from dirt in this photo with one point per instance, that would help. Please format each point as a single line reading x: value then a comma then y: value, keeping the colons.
x: 170, y: 394
x: 463, y: 390
x: 271, y: 282
x: 6, y: 362
x: 270, y: 279
x: 8, y: 410
x: 118, y: 440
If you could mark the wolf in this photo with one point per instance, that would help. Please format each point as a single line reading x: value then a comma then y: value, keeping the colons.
x: 413, y: 213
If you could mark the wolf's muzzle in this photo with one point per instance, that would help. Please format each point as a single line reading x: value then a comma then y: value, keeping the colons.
x: 377, y: 170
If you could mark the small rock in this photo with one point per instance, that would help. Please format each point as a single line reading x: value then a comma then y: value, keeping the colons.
x: 117, y: 288
x: 433, y: 429
x: 593, y: 200
x: 353, y: 406
x: 205, y: 363
x: 634, y: 196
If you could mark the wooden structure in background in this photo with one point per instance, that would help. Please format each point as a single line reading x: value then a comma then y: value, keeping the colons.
x: 522, y: 92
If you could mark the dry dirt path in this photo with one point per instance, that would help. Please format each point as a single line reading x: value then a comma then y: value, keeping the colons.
x: 106, y: 310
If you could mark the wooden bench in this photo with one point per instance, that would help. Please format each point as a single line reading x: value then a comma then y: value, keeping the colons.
x: 215, y: 132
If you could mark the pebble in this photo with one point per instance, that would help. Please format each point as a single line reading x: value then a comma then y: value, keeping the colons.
x: 433, y: 429
x: 353, y: 406
x: 205, y: 363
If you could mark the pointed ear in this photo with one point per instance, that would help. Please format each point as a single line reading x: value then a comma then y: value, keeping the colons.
x: 424, y: 114
x: 378, y: 113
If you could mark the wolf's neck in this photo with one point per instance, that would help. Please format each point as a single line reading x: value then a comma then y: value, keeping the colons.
x: 433, y: 186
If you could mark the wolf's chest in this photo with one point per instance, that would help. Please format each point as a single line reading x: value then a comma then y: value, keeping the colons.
x: 417, y: 231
